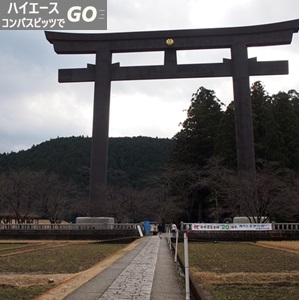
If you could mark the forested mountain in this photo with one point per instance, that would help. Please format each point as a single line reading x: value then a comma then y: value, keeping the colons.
x: 192, y: 177
x: 132, y: 160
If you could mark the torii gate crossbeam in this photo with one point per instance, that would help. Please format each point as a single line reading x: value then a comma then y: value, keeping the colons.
x: 239, y: 67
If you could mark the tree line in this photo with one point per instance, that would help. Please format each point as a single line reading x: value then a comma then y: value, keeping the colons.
x: 51, y: 180
x: 191, y: 177
x: 203, y: 170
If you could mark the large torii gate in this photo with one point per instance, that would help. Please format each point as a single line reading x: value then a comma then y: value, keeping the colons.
x: 239, y: 67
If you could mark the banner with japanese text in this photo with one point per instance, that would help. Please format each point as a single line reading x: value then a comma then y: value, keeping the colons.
x: 230, y: 226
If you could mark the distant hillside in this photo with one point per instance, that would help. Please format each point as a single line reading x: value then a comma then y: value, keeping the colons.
x: 132, y: 160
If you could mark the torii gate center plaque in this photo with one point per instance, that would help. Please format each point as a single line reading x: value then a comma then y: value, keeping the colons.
x: 239, y: 67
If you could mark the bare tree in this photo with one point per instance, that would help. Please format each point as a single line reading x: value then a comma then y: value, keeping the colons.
x: 19, y: 193
x: 55, y: 195
x: 26, y: 193
x: 116, y: 204
x: 217, y: 193
x: 164, y: 209
x: 127, y: 204
x: 271, y: 194
x: 186, y: 190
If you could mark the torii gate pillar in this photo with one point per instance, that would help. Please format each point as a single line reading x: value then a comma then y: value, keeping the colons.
x: 100, y: 128
x: 239, y: 67
x: 243, y: 110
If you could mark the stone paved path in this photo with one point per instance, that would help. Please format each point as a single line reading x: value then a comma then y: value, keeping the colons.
x: 147, y: 272
x: 135, y: 282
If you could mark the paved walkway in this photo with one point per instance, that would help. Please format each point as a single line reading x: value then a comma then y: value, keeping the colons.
x: 147, y: 272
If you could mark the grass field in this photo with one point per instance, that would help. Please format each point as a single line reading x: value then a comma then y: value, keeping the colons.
x: 229, y: 271
x: 21, y: 293
x: 24, y: 268
x: 238, y: 271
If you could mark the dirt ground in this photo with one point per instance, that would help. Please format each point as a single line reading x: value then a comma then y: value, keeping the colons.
x: 204, y: 279
x: 24, y: 280
x: 241, y: 278
x: 291, y: 246
x: 62, y: 284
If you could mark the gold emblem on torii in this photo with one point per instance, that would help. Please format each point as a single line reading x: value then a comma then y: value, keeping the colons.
x: 169, y: 42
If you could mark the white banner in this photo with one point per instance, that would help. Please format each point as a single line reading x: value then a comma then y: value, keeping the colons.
x: 230, y: 227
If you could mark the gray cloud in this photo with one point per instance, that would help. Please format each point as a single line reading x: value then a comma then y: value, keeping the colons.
x: 34, y: 107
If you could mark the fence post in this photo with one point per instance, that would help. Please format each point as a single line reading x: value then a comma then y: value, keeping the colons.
x: 139, y: 230
x: 186, y: 255
x: 176, y: 246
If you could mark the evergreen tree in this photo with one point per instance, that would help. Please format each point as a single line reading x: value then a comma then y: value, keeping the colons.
x: 194, y: 144
x: 225, y: 143
x: 208, y: 135
x: 285, y: 111
x: 264, y: 128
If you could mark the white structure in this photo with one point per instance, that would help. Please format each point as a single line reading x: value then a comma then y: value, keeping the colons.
x: 246, y: 220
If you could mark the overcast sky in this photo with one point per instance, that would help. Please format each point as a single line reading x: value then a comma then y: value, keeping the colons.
x: 34, y: 107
